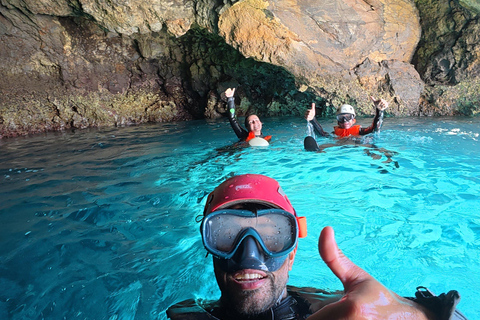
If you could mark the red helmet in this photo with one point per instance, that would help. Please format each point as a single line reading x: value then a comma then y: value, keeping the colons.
x: 254, y: 188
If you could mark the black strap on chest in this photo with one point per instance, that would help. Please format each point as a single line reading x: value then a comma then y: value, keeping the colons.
x: 443, y: 306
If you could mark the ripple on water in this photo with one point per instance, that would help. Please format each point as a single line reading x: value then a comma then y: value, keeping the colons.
x: 102, y: 223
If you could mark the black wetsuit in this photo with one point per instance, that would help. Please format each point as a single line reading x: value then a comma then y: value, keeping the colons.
x: 303, y: 302
x: 376, y: 125
x: 241, y: 133
x: 310, y: 144
x: 294, y: 307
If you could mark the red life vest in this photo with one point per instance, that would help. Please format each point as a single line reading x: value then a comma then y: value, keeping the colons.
x: 251, y: 135
x: 353, y: 131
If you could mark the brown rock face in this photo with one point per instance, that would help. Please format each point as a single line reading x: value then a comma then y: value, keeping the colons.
x: 330, y: 40
x: 448, y: 57
x: 311, y: 38
x: 69, y: 63
x: 392, y: 76
x: 448, y: 52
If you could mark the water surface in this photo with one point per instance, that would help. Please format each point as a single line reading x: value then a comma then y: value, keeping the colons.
x: 101, y: 224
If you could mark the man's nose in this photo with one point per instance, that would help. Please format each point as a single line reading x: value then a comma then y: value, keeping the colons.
x: 249, y: 249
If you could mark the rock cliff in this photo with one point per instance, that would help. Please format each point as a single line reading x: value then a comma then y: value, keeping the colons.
x: 81, y: 63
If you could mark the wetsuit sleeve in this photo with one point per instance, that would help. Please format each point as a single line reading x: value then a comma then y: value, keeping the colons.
x: 239, y: 131
x: 376, y: 125
x: 318, y: 128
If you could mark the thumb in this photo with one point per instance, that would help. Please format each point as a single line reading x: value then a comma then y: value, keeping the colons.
x: 313, y: 106
x: 345, y: 270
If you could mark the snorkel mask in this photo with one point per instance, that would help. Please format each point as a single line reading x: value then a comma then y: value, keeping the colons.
x: 345, y: 113
x: 242, y: 239
x: 345, y: 117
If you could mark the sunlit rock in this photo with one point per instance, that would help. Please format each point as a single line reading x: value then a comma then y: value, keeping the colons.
x: 84, y: 63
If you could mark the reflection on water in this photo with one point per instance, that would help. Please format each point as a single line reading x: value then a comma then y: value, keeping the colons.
x: 100, y: 224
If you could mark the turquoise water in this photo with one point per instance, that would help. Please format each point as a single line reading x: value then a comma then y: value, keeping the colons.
x: 100, y: 224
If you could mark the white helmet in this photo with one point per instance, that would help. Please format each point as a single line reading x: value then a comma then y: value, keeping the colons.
x: 346, y: 108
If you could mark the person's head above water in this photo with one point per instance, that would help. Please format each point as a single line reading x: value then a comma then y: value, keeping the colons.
x: 253, y: 124
x: 251, y: 230
x: 346, y: 109
x: 346, y: 116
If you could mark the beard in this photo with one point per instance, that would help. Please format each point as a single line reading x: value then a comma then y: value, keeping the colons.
x: 239, y: 303
x: 252, y: 303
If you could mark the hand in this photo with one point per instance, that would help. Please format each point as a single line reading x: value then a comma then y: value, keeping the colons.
x: 229, y: 92
x: 310, y: 114
x: 365, y: 297
x: 380, y: 104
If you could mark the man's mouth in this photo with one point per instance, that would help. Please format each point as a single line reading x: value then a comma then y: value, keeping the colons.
x: 250, y: 279
x: 248, y: 276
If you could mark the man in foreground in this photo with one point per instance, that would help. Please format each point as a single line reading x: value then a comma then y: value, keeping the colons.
x: 251, y: 230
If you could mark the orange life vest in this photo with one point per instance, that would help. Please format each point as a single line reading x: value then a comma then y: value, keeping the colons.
x: 353, y: 131
x: 251, y: 135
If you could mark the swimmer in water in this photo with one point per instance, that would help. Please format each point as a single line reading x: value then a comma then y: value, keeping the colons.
x: 252, y: 232
x: 346, y: 123
x: 252, y: 122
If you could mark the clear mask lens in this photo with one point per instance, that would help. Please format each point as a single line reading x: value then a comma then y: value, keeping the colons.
x: 274, y: 230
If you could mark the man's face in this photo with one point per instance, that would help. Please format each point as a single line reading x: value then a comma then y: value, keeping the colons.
x: 254, y: 124
x: 347, y: 124
x: 251, y: 292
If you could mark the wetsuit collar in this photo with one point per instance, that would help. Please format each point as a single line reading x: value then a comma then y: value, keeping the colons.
x: 282, y: 310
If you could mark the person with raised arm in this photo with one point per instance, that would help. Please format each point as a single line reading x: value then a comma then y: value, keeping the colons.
x: 346, y: 123
x: 253, y: 132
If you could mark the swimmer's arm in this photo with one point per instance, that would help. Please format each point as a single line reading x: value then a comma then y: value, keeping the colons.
x: 318, y: 128
x: 239, y: 131
x: 380, y: 106
x: 310, y: 117
x: 376, y: 124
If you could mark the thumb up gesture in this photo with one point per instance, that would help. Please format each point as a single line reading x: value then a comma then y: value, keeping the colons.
x: 310, y: 113
x: 365, y: 297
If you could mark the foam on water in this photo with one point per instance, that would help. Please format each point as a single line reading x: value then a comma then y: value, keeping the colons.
x: 101, y: 224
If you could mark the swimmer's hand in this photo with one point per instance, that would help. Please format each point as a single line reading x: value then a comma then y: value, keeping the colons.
x: 229, y: 92
x: 364, y: 297
x: 380, y: 104
x: 310, y: 114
